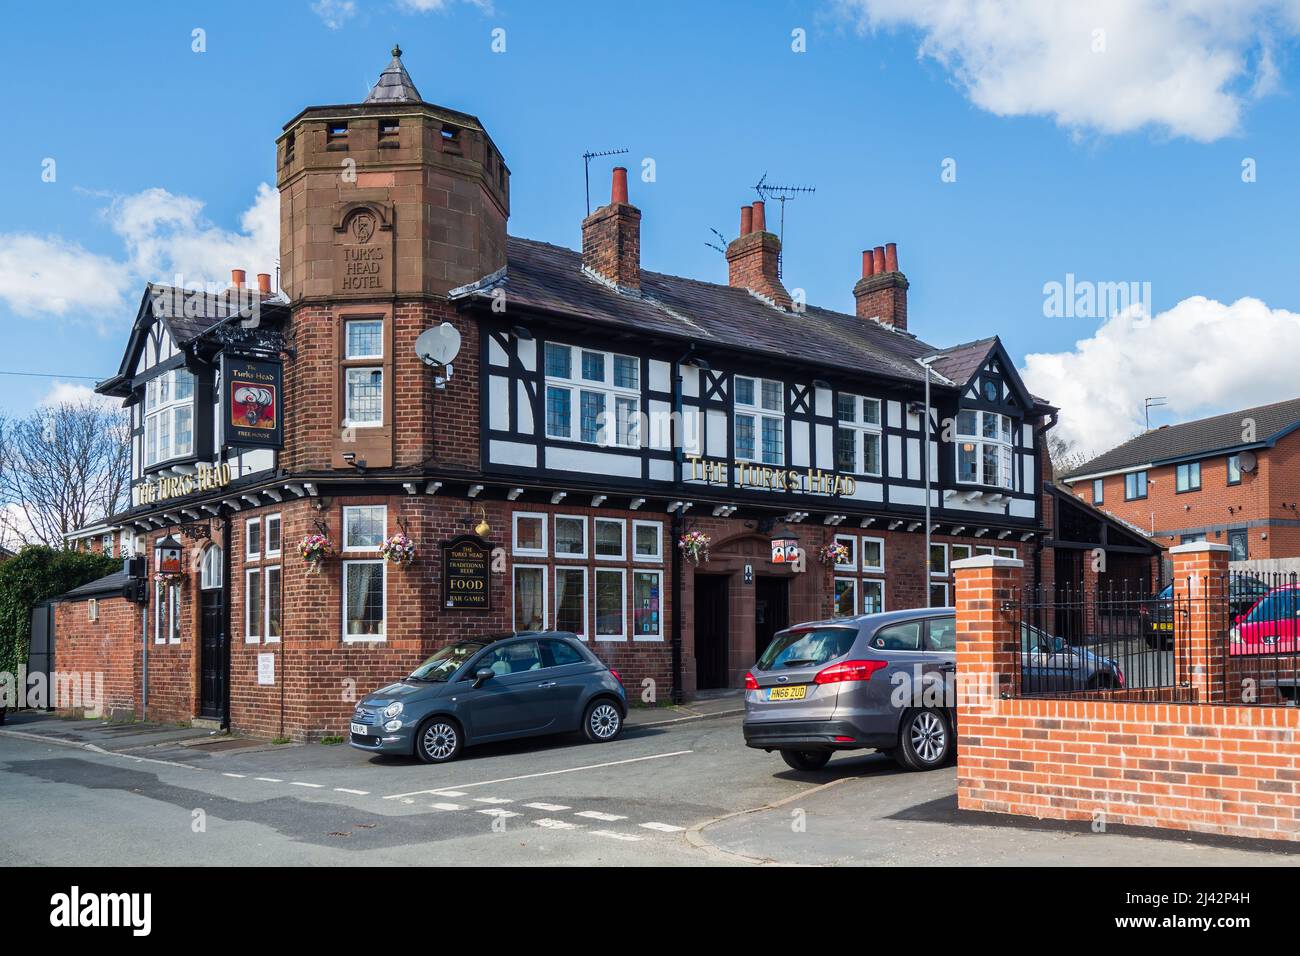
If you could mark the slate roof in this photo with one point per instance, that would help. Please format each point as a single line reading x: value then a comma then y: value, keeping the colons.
x: 171, y: 305
x: 394, y: 84
x: 549, y: 278
x: 959, y: 362
x: 1202, y: 437
x: 109, y: 584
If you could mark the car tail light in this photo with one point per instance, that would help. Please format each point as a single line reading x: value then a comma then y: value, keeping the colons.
x: 843, y: 740
x: 848, y: 671
x: 616, y: 677
x: 750, y: 682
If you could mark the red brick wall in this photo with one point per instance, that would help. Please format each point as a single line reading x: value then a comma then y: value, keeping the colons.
x: 109, y: 647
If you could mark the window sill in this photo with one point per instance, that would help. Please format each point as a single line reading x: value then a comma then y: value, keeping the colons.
x: 365, y: 639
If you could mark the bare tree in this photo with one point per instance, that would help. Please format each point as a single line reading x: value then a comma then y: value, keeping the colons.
x: 63, y: 467
x: 1064, y: 454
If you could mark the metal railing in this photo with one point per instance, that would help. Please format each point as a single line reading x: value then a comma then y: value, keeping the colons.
x: 1256, y: 663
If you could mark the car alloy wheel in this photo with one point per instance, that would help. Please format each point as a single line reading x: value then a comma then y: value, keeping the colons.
x: 604, y: 721
x: 925, y: 740
x: 439, y: 742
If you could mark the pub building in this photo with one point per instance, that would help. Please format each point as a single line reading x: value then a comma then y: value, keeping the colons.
x: 469, y: 432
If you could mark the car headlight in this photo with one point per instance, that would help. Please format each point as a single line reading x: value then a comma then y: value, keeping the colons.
x: 393, y: 709
x: 393, y: 725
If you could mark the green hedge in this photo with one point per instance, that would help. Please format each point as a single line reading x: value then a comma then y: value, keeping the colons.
x: 31, y: 576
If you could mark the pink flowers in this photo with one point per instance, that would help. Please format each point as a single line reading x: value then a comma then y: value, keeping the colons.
x: 399, y: 550
x: 315, y: 549
x: 695, y: 546
x: 834, y: 553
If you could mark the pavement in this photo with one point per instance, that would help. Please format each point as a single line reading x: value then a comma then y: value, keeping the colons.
x: 679, y: 788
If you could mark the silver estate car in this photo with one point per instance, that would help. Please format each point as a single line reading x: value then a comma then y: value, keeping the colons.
x: 879, y: 681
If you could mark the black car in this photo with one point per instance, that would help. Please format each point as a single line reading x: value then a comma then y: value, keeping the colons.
x: 1158, y: 612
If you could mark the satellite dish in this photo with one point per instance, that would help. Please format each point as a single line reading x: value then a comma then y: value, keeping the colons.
x: 438, y: 346
x: 1247, y: 461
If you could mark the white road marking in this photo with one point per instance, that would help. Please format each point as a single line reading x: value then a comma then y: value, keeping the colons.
x: 269, y: 779
x: 627, y: 837
x: 545, y: 773
x: 497, y: 812
x: 550, y: 824
x: 299, y: 783
x: 597, y: 815
x: 662, y: 827
x: 492, y: 800
x: 447, y: 793
x: 237, y: 776
x: 548, y: 807
x: 358, y: 793
x: 446, y: 806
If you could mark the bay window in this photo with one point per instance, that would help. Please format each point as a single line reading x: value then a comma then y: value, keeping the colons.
x: 984, y: 450
x: 857, y: 435
x: 592, y: 397
x: 760, y: 420
x: 169, y: 416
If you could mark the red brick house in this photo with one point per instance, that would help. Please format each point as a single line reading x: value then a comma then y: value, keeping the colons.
x: 1230, y: 479
x: 593, y: 413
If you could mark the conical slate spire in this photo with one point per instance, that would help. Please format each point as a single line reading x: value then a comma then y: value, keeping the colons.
x: 394, y: 85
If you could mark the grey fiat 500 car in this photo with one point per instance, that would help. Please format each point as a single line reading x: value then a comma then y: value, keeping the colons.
x: 878, y: 681
x: 494, y: 688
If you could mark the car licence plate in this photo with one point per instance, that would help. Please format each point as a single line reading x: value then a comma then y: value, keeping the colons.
x: 788, y: 693
x: 361, y: 730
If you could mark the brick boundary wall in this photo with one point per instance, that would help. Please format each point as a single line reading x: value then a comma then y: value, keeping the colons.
x: 1205, y: 767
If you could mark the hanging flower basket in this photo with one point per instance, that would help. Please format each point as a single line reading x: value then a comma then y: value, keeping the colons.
x: 834, y: 553
x: 695, y: 546
x: 398, y: 550
x: 315, y: 550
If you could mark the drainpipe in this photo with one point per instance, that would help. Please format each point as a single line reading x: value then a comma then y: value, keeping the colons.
x: 225, y: 618
x: 676, y: 529
x: 144, y: 660
x: 925, y: 462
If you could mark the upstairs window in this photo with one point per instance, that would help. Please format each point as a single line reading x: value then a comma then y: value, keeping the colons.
x: 363, y: 384
x: 592, y: 397
x: 984, y: 453
x: 1234, y: 469
x: 1097, y: 492
x: 760, y: 420
x: 1135, y: 485
x: 857, y: 434
x: 1188, y: 477
x: 169, y: 416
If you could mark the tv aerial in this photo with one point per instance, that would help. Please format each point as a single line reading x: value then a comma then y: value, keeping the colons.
x: 768, y: 191
x: 437, y: 347
x: 587, y: 157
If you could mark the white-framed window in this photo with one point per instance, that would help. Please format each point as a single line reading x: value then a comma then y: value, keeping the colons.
x: 272, y: 543
x: 857, y: 434
x: 570, y: 536
x: 364, y: 527
x: 106, y: 543
x: 363, y: 385
x: 939, y: 560
x: 938, y: 594
x: 846, y: 597
x: 365, y: 594
x: 984, y: 549
x: 253, y: 538
x: 253, y: 605
x: 592, y: 396
x: 648, y: 541
x: 210, y: 568
x: 609, y: 539
x: 849, y: 541
x: 873, y: 596
x: 166, y: 613
x: 760, y: 420
x: 169, y: 416
x: 611, y: 604
x: 529, y: 533
x: 647, y: 605
x: 960, y: 552
x: 529, y: 598
x: 273, y: 604
x: 571, y: 600
x: 92, y: 609
x: 984, y: 448
x: 1006, y: 552
x: 873, y: 554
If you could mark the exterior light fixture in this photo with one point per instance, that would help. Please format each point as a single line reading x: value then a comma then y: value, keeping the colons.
x: 167, y: 556
x: 785, y: 547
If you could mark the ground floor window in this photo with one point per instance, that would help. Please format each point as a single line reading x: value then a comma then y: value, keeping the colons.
x: 1239, y: 545
x: 166, y: 613
x: 939, y: 595
x: 363, y: 600
x: 647, y: 586
x: 274, y: 619
x: 873, y: 596
x: 846, y: 597
x: 611, y: 604
x: 530, y: 598
x: 571, y: 600
x: 252, y: 606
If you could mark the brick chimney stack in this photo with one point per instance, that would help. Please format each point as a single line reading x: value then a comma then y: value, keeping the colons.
x: 611, y: 237
x: 881, y: 293
x: 752, y: 257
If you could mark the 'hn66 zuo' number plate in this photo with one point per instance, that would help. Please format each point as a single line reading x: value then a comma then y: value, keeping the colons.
x: 788, y: 693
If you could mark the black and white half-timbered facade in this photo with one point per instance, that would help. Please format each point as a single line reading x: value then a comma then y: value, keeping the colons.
x: 543, y: 427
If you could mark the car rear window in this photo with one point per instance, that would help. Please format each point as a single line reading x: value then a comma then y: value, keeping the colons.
x: 807, y: 648
x: 898, y: 637
x: 942, y: 634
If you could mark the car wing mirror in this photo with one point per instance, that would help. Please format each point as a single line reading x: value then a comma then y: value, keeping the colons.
x: 483, y: 674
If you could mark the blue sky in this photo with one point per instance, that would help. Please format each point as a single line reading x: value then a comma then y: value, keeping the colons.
x: 1116, y: 165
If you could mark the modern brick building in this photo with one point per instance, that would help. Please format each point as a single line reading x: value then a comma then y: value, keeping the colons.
x: 594, y: 413
x: 1231, y: 479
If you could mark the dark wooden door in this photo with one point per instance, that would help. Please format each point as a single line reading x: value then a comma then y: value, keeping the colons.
x: 214, y: 654
x: 771, y: 610
x: 712, y: 627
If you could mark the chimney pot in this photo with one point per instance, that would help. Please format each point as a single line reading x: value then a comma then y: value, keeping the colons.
x: 264, y: 283
x: 868, y: 264
x: 891, y: 256
x: 237, y: 278
x: 746, y: 220
x: 760, y: 216
x: 618, y: 190
x: 878, y: 257
x: 881, y: 293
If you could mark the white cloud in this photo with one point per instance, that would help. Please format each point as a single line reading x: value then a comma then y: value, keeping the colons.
x: 427, y: 6
x: 77, y: 394
x: 334, y: 13
x: 1204, y: 356
x: 1183, y: 68
x: 48, y: 274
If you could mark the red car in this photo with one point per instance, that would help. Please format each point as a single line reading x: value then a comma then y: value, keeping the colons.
x: 1271, y: 626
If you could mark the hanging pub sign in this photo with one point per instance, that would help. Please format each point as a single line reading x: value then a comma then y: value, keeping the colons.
x: 167, y: 556
x: 251, y: 402
x: 467, y: 574
x: 785, y: 550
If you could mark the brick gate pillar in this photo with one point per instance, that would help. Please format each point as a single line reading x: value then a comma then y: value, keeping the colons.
x: 1201, y: 618
x: 987, y: 662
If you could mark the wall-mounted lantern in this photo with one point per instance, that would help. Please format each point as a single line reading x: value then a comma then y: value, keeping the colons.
x: 785, y: 547
x: 167, y: 556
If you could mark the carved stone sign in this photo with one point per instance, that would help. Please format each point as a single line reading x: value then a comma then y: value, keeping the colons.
x: 363, y: 252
